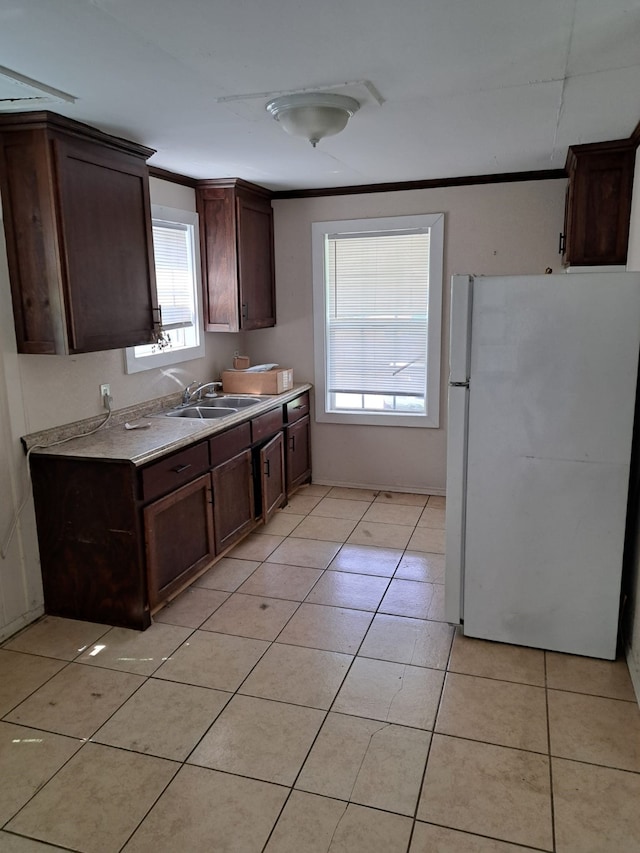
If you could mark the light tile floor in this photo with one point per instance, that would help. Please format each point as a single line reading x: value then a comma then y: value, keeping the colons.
x: 306, y: 696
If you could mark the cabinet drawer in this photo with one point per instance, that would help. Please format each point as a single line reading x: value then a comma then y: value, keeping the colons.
x: 174, y: 470
x: 298, y: 408
x: 266, y: 425
x: 223, y: 447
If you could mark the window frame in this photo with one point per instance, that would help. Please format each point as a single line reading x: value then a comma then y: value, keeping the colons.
x: 319, y: 232
x: 137, y: 363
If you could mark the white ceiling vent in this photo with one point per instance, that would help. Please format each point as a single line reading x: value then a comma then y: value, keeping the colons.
x: 18, y: 92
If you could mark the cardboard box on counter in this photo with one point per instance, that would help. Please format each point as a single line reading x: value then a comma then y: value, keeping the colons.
x: 274, y: 381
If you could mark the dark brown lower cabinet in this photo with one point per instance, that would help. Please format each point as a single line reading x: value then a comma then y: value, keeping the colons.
x: 91, y: 541
x: 233, y: 500
x: 272, y: 481
x: 298, y: 453
x: 179, y: 537
x: 117, y: 541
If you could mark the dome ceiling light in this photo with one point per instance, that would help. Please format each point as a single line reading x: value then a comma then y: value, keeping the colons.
x: 313, y: 115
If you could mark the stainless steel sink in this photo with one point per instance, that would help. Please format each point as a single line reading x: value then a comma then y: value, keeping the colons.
x: 201, y: 412
x: 215, y: 407
x: 228, y: 401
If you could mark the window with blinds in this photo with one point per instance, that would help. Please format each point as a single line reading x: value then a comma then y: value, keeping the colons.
x: 377, y: 319
x: 176, y: 253
x: 174, y: 273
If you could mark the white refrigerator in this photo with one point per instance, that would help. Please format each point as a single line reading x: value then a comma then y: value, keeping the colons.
x: 543, y: 374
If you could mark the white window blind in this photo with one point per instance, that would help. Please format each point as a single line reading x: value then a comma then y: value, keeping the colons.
x: 377, y: 306
x: 174, y: 273
x: 377, y: 313
x: 176, y: 251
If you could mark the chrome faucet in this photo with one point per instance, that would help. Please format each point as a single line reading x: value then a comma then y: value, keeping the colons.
x: 188, y: 395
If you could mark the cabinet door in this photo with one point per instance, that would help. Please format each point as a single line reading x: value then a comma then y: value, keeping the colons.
x: 236, y: 244
x: 218, y: 251
x: 32, y: 251
x: 298, y: 453
x: 179, y: 538
x: 233, y: 500
x: 108, y: 272
x: 599, y: 203
x: 272, y: 482
x: 255, y: 262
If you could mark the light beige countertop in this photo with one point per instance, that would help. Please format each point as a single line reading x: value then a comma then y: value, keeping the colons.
x: 139, y: 446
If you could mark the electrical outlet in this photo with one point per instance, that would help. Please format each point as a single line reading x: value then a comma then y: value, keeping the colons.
x: 105, y: 391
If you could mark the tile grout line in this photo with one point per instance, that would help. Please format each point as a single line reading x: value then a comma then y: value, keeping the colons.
x: 146, y: 677
x: 153, y: 804
x: 551, y: 798
x: 317, y: 735
x: 86, y: 740
x: 54, y: 847
x: 236, y: 693
x: 329, y: 710
x: 476, y: 834
x: 433, y: 733
x: 374, y: 613
x: 66, y: 662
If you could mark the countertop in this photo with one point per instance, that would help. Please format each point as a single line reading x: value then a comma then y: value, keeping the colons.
x: 140, y: 446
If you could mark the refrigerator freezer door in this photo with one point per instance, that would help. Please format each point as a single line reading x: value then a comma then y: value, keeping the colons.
x: 460, y: 328
x: 456, y: 490
x: 551, y: 404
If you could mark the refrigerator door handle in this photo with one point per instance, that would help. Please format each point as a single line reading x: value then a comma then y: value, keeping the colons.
x: 460, y: 366
x: 456, y: 505
x: 460, y: 328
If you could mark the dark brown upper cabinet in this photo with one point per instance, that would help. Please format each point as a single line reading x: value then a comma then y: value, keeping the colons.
x: 598, y: 207
x: 77, y: 220
x: 236, y: 242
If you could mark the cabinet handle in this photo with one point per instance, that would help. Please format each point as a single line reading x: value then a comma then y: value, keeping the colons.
x: 180, y: 468
x: 267, y: 468
x: 292, y: 443
x: 561, y: 243
x: 245, y: 311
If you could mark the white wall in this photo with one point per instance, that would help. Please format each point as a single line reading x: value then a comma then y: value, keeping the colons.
x: 494, y: 229
x: 20, y: 583
x: 633, y: 618
x: 41, y: 391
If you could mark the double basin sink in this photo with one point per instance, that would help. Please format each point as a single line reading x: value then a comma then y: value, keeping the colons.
x: 215, y: 407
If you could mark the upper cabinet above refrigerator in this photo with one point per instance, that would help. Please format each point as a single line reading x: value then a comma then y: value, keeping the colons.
x: 598, y: 206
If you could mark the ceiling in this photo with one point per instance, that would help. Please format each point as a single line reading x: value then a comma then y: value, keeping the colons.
x: 468, y: 87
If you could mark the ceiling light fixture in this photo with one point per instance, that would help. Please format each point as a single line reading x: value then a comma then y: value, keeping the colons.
x: 313, y: 115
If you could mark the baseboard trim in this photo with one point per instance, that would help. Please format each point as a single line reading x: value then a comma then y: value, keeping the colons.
x: 376, y: 487
x: 634, y: 673
x: 12, y: 628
